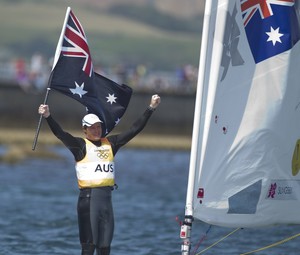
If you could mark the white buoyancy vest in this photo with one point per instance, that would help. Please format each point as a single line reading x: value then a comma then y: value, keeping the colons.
x: 96, y: 169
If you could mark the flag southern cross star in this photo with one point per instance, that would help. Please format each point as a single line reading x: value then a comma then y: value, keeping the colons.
x: 79, y: 90
x: 111, y: 98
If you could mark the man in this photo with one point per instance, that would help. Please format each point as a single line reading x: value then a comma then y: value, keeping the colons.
x: 95, y: 171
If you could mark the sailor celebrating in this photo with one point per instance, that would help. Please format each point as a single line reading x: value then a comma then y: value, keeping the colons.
x: 94, y: 156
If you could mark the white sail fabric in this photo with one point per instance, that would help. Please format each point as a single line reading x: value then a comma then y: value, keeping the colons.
x: 247, y: 148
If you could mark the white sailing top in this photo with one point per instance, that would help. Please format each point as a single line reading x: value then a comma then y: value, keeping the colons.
x: 96, y: 169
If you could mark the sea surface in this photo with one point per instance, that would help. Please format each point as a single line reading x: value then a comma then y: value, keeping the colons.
x: 38, y: 209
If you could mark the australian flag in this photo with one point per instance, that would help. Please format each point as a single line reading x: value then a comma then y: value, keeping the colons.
x: 272, y: 26
x: 73, y: 76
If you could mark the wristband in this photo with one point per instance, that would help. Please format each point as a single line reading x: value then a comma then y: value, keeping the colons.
x: 151, y: 108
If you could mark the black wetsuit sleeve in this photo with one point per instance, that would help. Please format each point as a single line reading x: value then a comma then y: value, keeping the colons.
x: 75, y: 144
x: 117, y: 141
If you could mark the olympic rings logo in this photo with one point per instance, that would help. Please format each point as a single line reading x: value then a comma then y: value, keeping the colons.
x: 103, y: 155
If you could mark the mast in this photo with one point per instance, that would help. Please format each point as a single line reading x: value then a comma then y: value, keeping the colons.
x: 186, y: 227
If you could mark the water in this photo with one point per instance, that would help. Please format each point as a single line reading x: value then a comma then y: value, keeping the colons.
x: 38, y: 209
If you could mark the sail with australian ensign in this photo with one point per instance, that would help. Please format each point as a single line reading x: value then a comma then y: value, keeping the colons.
x: 245, y: 155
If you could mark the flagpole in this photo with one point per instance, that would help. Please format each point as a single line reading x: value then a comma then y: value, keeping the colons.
x: 56, y: 57
x: 61, y: 38
x: 186, y: 227
x: 40, y: 122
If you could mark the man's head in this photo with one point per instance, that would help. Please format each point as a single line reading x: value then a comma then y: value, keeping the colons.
x: 91, y: 125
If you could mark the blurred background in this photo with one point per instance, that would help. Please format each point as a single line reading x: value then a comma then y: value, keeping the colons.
x: 151, y: 45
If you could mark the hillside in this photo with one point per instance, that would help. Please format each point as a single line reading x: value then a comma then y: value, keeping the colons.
x: 179, y: 8
x: 150, y: 32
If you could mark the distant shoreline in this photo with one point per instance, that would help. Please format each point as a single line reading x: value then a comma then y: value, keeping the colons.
x: 18, y: 143
x: 174, y: 116
x: 162, y: 141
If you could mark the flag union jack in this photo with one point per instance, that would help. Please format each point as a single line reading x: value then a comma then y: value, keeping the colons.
x: 73, y: 76
x: 264, y: 7
x: 75, y: 44
x: 272, y: 26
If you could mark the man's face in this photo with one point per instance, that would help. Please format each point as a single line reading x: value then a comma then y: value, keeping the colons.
x: 94, y: 132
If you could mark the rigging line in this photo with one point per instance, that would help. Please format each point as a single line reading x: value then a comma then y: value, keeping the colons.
x: 214, y: 244
x: 272, y: 245
x: 201, y: 240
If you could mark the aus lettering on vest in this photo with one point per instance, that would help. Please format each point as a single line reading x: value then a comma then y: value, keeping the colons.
x: 108, y: 167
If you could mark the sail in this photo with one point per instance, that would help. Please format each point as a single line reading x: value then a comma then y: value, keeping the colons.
x: 245, y: 156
